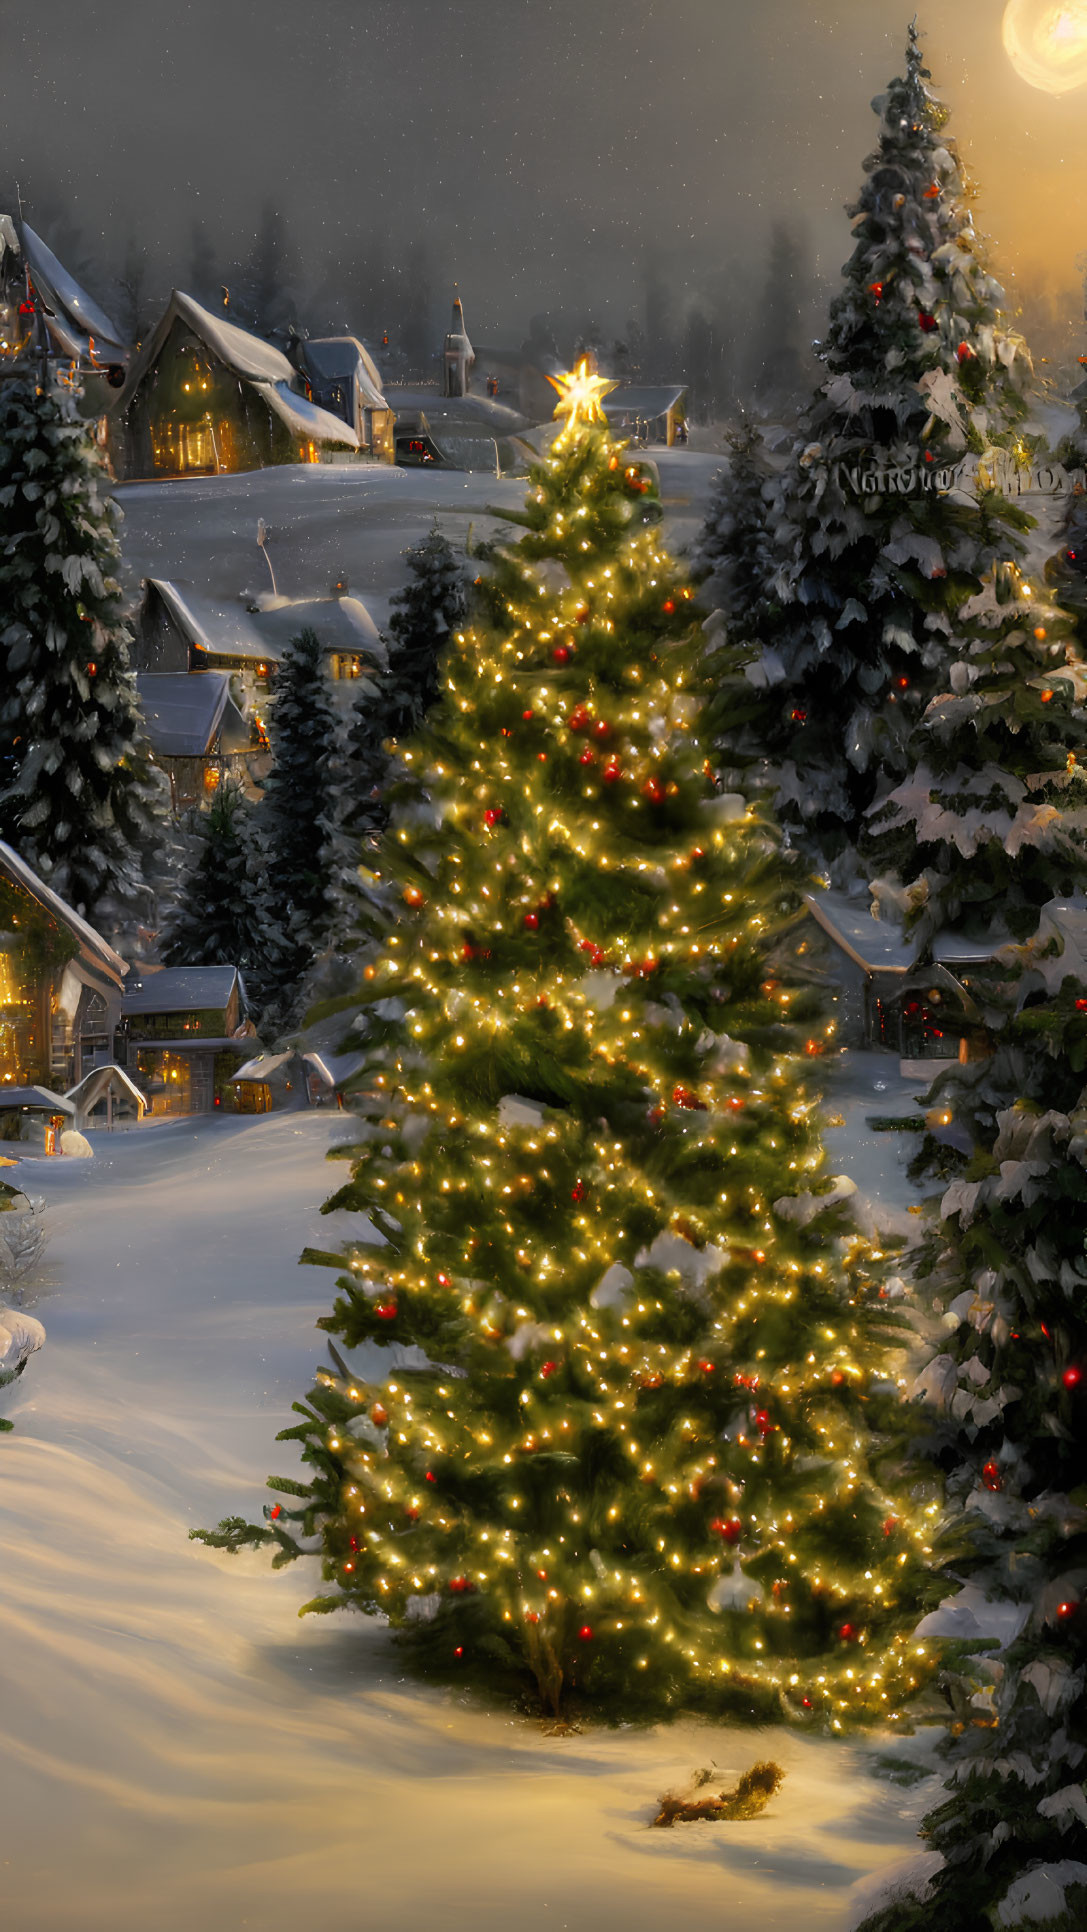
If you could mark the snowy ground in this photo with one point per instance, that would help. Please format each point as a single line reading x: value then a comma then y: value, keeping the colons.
x: 328, y: 518
x: 180, y: 1751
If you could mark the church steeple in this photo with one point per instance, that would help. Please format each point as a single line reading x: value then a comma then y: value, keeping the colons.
x: 458, y: 354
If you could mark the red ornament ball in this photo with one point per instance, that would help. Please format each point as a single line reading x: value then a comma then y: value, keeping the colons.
x: 578, y: 1191
x: 526, y: 715
x: 548, y: 1369
x: 847, y: 1633
x: 601, y: 729
x: 668, y: 606
x: 460, y: 1586
x: 763, y: 1423
x: 729, y: 1527
x: 1072, y: 1377
x: 586, y: 1633
x: 493, y: 815
x: 926, y: 323
x: 459, y: 1651
x: 654, y: 791
x: 379, y: 1414
x: 532, y: 921
x: 532, y: 1616
x: 964, y: 353
x: 611, y: 773
x: 1081, y: 1006
x: 562, y: 654
x: 385, y: 1311
x: 587, y: 757
x: 991, y: 1477
x: 580, y: 718
x: 890, y: 1524
x: 1067, y: 1609
x: 430, y: 1476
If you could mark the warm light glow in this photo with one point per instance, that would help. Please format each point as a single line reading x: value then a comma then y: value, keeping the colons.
x: 580, y: 395
x: 1046, y: 42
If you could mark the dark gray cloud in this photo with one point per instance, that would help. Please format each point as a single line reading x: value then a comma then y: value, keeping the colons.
x: 540, y: 145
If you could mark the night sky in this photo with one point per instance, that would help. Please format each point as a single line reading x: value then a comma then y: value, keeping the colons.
x: 540, y: 146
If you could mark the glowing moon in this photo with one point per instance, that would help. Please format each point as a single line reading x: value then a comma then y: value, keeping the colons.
x: 1046, y: 42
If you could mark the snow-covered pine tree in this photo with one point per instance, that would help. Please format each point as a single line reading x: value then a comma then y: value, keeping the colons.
x: 615, y: 1426
x: 218, y: 918
x: 82, y: 802
x: 869, y: 579
x: 1066, y: 570
x: 425, y: 611
x: 732, y: 557
x: 1005, y: 1387
x: 294, y: 820
x: 991, y: 823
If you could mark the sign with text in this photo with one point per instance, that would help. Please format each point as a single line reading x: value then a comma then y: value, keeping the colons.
x: 996, y: 469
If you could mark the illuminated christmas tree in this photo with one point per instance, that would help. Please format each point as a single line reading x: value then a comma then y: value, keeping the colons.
x: 612, y: 1422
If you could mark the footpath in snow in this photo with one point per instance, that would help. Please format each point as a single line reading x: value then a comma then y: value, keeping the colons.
x: 179, y: 1751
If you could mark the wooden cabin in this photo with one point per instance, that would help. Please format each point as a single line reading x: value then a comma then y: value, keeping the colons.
x: 197, y: 733
x: 344, y: 381
x: 183, y: 1032
x: 886, y: 998
x: 203, y: 397
x: 60, y: 985
x: 647, y: 414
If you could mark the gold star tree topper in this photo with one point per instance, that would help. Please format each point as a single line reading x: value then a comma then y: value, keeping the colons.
x: 581, y: 391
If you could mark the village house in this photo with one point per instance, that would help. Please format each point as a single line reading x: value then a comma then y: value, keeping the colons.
x: 183, y: 1033
x: 60, y: 999
x: 888, y: 998
x: 198, y: 735
x: 179, y: 629
x: 203, y: 396
x: 344, y: 381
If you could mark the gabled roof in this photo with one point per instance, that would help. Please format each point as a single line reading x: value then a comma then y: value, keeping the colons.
x: 247, y: 357
x: 341, y: 623
x: 41, y: 1098
x: 94, y: 949
x: 182, y: 710
x: 181, y: 989
x: 76, y: 315
x: 229, y: 630
x: 332, y: 358
x: 876, y: 945
x: 645, y: 400
x: 211, y: 624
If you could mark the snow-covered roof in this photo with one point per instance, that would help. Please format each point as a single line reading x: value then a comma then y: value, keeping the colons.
x: 247, y: 357
x: 98, y: 1082
x: 229, y: 630
x: 952, y: 949
x: 211, y: 624
x: 101, y: 953
x: 467, y: 415
x: 876, y: 945
x: 333, y: 358
x: 264, y: 1066
x: 181, y: 989
x: 335, y: 1068
x: 306, y: 419
x: 70, y: 303
x: 643, y: 400
x: 41, y: 1097
x: 182, y: 710
x: 341, y: 623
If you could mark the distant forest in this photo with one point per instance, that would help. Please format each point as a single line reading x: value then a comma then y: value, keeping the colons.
x: 743, y: 338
